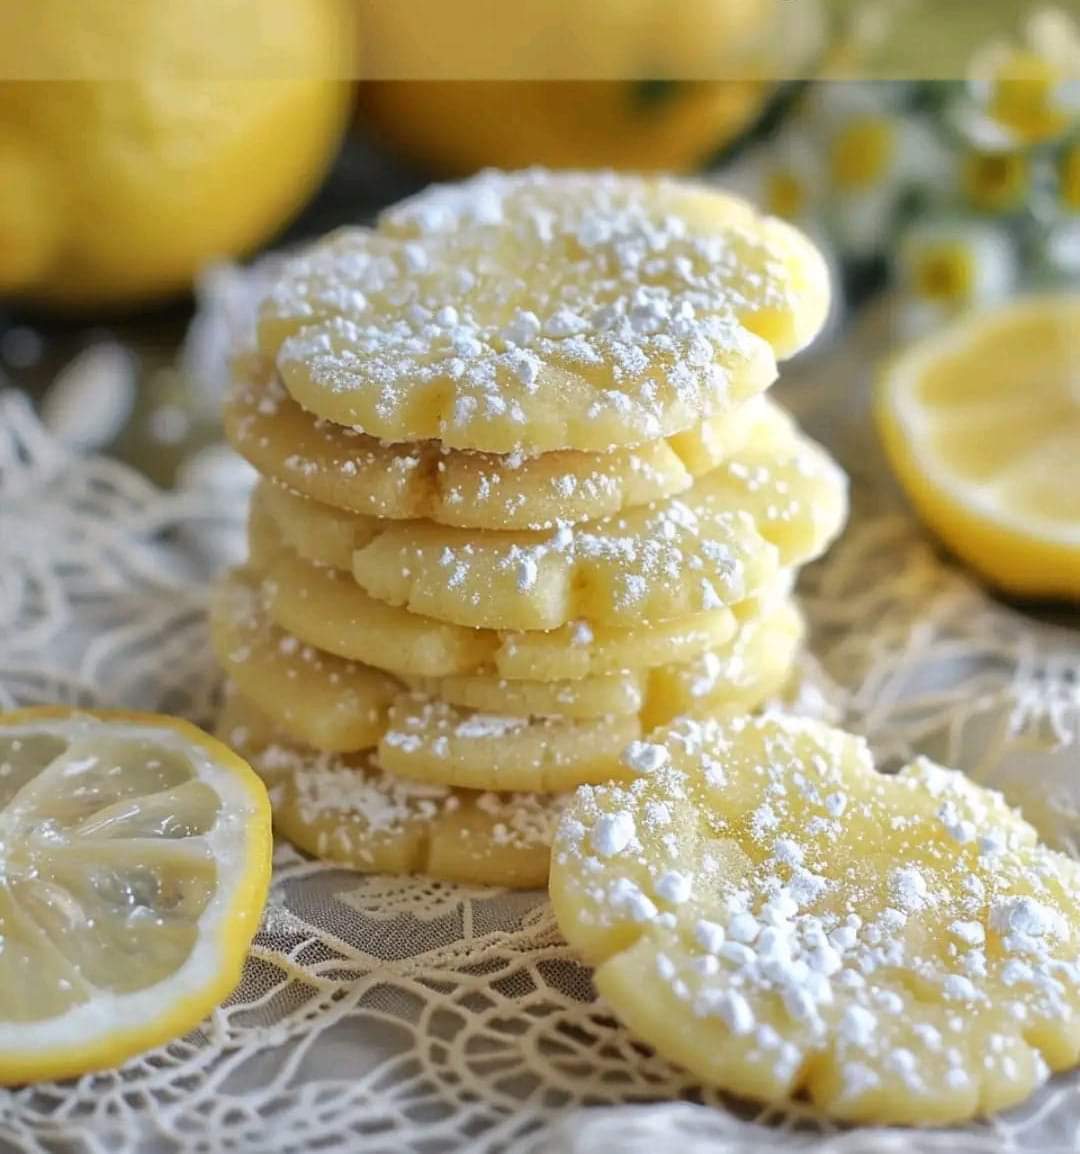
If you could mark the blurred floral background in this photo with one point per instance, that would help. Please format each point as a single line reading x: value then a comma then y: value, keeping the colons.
x: 153, y: 161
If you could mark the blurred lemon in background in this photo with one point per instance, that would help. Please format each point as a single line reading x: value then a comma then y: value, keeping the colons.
x: 455, y: 127
x: 138, y: 141
x: 470, y: 85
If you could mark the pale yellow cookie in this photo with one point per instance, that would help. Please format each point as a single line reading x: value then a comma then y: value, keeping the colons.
x: 345, y: 809
x: 682, y: 557
x: 535, y: 312
x: 583, y: 650
x: 545, y: 736
x: 780, y: 498
x: 750, y: 669
x: 319, y: 533
x: 611, y: 695
x: 431, y: 740
x: 338, y: 466
x: 767, y: 910
x: 322, y: 700
x: 796, y: 493
x: 753, y: 665
x: 242, y: 726
x: 327, y: 609
x: 339, y: 706
x: 428, y: 740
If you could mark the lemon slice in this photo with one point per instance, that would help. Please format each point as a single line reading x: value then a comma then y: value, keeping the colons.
x: 134, y: 865
x: 982, y: 425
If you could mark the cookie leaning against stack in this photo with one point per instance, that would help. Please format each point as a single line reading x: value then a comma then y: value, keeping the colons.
x: 524, y: 500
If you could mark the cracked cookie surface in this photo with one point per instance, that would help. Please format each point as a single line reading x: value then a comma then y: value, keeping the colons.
x: 768, y: 910
x: 535, y: 311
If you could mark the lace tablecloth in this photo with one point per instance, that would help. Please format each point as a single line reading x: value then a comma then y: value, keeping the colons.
x: 402, y: 1016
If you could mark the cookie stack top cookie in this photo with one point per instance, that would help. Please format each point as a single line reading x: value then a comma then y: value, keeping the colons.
x: 530, y: 313
x: 524, y: 497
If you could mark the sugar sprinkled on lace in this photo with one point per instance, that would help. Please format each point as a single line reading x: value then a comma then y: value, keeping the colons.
x: 640, y: 313
x: 369, y: 801
x: 800, y: 952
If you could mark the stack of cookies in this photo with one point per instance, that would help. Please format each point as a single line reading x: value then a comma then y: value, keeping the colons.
x: 524, y: 499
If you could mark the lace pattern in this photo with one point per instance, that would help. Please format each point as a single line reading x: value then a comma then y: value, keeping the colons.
x: 398, y: 1015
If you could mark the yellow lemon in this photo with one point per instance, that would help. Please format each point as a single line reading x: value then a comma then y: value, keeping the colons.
x: 134, y: 866
x: 567, y: 40
x: 140, y: 141
x: 461, y: 87
x: 455, y: 127
x: 982, y: 424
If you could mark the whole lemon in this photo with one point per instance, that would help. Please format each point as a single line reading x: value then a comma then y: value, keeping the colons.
x: 140, y: 140
x: 457, y: 126
x: 631, y: 84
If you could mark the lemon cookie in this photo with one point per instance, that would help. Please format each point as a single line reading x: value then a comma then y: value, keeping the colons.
x: 753, y: 665
x: 796, y: 493
x: 338, y: 466
x: 319, y: 533
x: 327, y: 609
x: 431, y: 740
x: 711, y: 546
x: 337, y: 705
x: 532, y: 312
x: 345, y: 809
x: 425, y: 738
x: 685, y: 556
x: 323, y: 700
x: 668, y: 560
x: 767, y: 910
x: 610, y: 695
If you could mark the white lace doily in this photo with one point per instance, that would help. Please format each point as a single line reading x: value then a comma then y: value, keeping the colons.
x: 398, y: 1016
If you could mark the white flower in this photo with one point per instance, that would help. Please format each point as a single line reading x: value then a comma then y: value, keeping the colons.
x: 956, y: 262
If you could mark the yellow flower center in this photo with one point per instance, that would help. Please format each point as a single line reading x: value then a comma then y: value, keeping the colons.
x: 785, y: 194
x: 1024, y: 95
x: 995, y: 181
x: 862, y: 153
x: 943, y: 272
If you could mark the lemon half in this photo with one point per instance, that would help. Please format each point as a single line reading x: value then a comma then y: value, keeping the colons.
x: 982, y: 425
x: 134, y: 866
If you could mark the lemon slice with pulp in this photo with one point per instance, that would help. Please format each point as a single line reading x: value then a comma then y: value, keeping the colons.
x: 982, y: 425
x: 134, y: 866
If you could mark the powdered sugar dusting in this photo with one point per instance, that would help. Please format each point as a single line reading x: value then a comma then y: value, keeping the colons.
x: 338, y: 465
x: 830, y: 919
x: 351, y: 807
x: 549, y: 311
x: 670, y: 560
x: 692, y: 553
